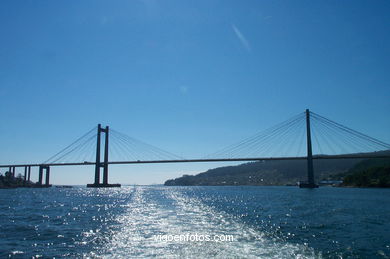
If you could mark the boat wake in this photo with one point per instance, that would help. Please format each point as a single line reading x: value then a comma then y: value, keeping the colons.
x: 155, y: 216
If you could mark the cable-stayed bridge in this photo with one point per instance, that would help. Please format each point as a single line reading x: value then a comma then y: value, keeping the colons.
x: 306, y: 136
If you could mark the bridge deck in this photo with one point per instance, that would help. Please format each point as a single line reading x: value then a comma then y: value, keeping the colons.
x: 203, y: 160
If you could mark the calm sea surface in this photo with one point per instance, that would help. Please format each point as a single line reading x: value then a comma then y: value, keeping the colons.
x: 265, y: 222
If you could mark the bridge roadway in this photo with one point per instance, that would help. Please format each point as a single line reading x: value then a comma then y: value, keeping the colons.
x: 203, y: 160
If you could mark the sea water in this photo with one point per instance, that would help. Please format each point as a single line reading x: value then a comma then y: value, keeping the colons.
x: 158, y: 221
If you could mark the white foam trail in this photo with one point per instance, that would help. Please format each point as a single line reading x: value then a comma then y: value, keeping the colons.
x: 168, y: 211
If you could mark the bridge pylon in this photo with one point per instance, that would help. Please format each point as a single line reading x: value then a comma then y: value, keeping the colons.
x: 98, y: 165
x: 310, y: 170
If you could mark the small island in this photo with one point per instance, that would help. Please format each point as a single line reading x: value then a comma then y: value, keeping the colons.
x: 8, y: 180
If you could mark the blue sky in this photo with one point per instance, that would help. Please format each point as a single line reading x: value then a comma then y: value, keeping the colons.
x: 188, y: 76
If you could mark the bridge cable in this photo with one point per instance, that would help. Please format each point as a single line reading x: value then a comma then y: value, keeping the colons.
x: 71, y: 145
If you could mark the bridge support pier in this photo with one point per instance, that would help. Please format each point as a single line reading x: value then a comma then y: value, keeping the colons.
x: 310, y: 170
x: 25, y: 175
x: 98, y: 164
x: 47, y: 172
x: 29, y: 174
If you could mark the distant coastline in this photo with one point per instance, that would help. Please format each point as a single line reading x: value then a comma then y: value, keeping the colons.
x: 342, y: 173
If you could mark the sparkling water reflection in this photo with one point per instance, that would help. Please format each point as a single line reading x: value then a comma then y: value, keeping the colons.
x: 267, y: 222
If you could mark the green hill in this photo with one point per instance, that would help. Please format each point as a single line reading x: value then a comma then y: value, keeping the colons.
x: 369, y: 173
x: 282, y: 172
